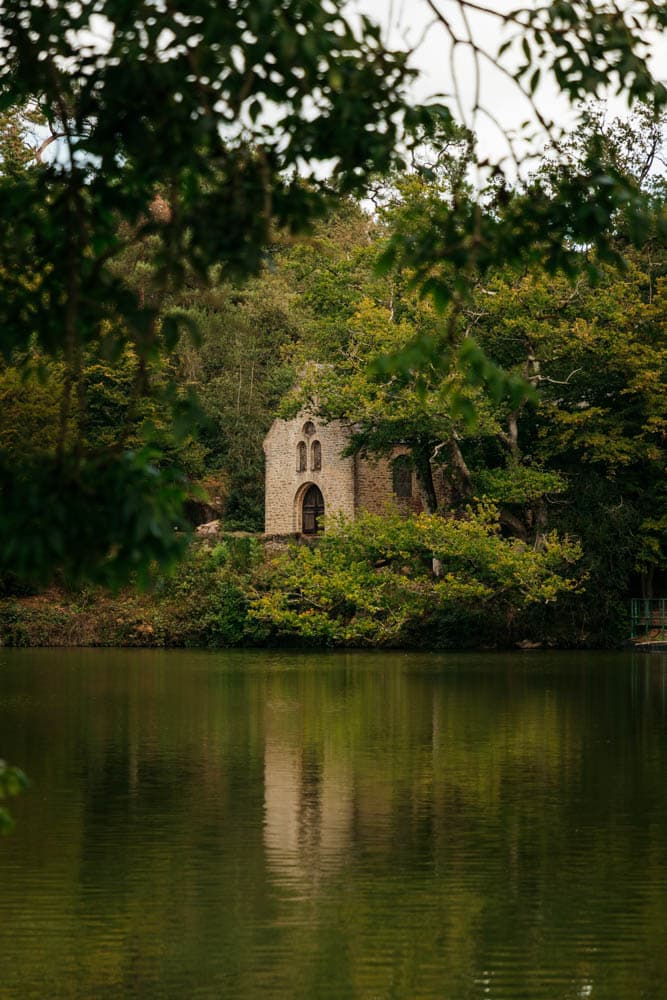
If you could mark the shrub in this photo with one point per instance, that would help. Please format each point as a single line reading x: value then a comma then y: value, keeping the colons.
x: 371, y: 582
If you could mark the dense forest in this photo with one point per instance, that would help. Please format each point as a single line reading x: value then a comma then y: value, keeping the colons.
x: 541, y: 395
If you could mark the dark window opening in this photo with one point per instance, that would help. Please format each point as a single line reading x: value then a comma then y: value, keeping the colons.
x: 308, y: 428
x: 312, y: 511
x: 401, y: 471
x: 301, y: 457
x: 316, y: 456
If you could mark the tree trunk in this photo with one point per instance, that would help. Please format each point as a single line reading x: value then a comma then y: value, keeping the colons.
x: 540, y: 520
x: 421, y: 456
x: 647, y: 583
x: 462, y: 471
x: 515, y: 525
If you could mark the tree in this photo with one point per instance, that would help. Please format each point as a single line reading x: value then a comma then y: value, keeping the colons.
x: 200, y: 127
x: 515, y: 213
x: 583, y: 452
x: 178, y: 130
x: 240, y: 370
x: 359, y: 317
x: 370, y: 582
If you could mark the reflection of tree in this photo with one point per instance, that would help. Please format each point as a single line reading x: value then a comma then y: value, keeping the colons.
x: 367, y: 825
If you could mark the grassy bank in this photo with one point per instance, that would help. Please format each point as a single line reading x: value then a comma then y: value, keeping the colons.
x: 61, y: 617
x: 201, y: 604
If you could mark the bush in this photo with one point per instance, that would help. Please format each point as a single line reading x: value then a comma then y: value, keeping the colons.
x: 372, y: 582
x: 205, y: 602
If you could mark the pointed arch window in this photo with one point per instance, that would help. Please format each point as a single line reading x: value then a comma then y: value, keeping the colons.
x: 316, y: 456
x: 401, y: 474
x: 301, y: 457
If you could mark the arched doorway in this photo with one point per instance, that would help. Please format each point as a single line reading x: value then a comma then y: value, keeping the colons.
x: 312, y: 511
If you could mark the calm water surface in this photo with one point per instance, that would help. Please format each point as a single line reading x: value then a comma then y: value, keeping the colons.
x: 349, y: 825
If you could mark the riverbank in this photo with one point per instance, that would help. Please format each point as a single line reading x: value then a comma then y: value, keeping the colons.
x: 58, y: 617
x: 130, y: 619
x: 367, y: 584
x: 202, y: 603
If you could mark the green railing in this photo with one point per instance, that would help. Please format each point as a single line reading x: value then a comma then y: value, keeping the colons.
x: 648, y: 618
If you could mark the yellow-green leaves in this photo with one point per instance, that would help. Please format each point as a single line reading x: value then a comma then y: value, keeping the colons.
x: 371, y: 581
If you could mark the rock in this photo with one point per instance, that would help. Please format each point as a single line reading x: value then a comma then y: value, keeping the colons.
x: 210, y: 528
x: 527, y: 644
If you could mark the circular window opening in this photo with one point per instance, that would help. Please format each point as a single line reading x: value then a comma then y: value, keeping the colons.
x: 309, y: 428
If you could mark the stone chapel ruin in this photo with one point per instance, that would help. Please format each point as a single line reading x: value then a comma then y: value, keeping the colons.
x: 308, y: 477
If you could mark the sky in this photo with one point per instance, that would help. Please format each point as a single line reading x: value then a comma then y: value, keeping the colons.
x: 409, y: 24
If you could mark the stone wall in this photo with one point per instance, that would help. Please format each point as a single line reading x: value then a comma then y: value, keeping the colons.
x: 348, y: 485
x: 374, y: 486
x: 286, y: 485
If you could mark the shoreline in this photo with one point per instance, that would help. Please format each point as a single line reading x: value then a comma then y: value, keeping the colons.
x: 57, y: 619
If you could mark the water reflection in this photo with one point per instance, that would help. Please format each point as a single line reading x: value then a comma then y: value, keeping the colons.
x: 363, y: 826
x: 308, y: 808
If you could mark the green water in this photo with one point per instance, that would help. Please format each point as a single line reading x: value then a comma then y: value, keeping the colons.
x: 349, y: 825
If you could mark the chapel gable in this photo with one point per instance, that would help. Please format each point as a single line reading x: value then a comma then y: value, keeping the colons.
x: 310, y: 478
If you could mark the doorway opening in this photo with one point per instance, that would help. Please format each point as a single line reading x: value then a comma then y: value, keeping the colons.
x: 312, y: 511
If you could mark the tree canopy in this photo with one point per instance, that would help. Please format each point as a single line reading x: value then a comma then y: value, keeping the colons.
x: 185, y: 137
x: 190, y: 130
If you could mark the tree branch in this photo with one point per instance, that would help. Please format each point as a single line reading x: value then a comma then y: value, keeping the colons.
x: 39, y: 153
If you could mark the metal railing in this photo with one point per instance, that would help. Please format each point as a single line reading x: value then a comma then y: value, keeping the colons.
x: 648, y: 619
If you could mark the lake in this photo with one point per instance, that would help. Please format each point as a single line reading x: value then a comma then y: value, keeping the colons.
x: 354, y: 825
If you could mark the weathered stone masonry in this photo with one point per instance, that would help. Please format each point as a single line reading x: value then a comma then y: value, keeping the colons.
x: 304, y: 452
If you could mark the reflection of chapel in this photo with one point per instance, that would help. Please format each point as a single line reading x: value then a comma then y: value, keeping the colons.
x: 307, y: 477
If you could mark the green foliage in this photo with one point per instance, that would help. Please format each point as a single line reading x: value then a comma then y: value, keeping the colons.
x: 588, y: 46
x: 239, y: 373
x: 598, y: 357
x: 204, y: 603
x: 175, y: 134
x: 415, y: 408
x: 232, y: 113
x: 12, y: 782
x: 139, y: 522
x: 592, y: 197
x: 581, y: 447
x: 370, y: 582
x: 30, y: 394
x: 530, y: 388
x: 518, y: 484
